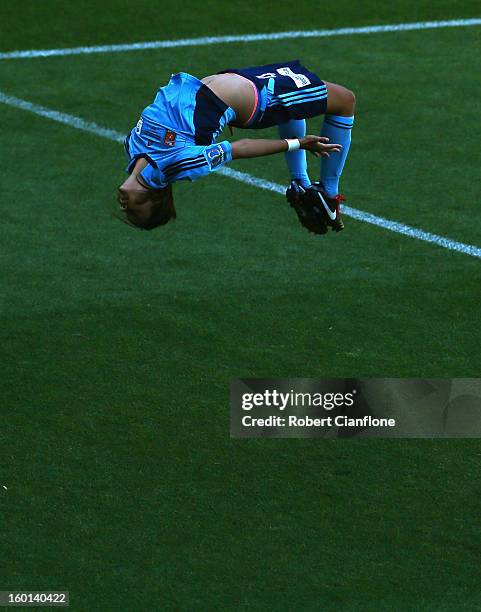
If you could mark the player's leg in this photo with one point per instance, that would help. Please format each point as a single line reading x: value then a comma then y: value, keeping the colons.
x: 295, y: 160
x: 337, y: 126
x: 297, y: 164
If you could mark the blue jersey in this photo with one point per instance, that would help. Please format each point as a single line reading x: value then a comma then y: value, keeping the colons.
x: 177, y: 133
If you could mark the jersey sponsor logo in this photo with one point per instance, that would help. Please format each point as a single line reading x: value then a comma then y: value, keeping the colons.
x: 138, y: 127
x: 299, y: 79
x: 216, y: 155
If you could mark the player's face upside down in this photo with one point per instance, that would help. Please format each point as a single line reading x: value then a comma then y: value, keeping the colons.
x: 144, y: 207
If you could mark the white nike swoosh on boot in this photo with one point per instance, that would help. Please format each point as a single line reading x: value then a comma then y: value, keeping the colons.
x: 332, y: 215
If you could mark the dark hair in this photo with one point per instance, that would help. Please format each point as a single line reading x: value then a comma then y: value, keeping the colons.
x: 162, y: 210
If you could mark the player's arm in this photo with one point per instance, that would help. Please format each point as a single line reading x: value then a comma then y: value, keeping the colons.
x: 247, y: 147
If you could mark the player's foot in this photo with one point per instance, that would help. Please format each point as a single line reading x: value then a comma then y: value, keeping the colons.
x: 331, y: 206
x: 307, y: 209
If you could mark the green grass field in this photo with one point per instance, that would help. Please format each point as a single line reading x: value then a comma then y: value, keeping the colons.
x: 122, y: 485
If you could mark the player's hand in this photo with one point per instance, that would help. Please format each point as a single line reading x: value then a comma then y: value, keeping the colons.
x: 319, y: 145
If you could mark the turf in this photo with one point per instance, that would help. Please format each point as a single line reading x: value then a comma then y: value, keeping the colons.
x: 122, y: 484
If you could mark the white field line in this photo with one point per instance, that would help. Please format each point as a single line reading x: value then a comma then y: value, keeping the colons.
x: 243, y: 177
x: 215, y: 40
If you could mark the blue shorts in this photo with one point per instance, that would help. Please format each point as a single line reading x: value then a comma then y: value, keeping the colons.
x: 284, y: 91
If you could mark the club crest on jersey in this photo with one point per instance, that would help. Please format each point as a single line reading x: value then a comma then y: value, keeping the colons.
x: 138, y: 127
x: 169, y: 138
x: 216, y: 155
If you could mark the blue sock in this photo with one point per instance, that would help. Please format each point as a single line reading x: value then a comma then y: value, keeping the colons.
x: 338, y: 130
x: 296, y: 160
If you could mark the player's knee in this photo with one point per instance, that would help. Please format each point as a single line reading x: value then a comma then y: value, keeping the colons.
x: 349, y: 102
x: 340, y: 101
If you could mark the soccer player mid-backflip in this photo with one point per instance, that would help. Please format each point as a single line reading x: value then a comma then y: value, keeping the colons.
x: 175, y: 138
